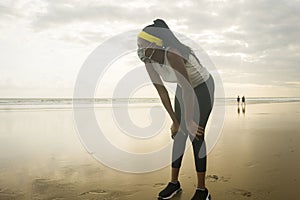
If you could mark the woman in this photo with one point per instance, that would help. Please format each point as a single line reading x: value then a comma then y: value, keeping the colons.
x: 167, y: 58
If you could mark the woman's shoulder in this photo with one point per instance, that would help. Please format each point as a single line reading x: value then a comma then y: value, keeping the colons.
x: 173, y: 53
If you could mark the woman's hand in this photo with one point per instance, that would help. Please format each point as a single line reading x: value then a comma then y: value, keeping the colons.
x: 194, y: 129
x: 174, y: 129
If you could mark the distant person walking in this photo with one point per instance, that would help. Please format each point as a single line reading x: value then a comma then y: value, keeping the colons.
x: 243, y: 100
x: 238, y: 100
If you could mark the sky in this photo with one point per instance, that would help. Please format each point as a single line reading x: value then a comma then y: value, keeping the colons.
x: 254, y: 44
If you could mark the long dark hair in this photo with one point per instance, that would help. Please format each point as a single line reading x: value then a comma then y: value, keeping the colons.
x: 161, y: 30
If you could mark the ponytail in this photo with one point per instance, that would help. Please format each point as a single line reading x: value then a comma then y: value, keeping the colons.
x: 160, y: 23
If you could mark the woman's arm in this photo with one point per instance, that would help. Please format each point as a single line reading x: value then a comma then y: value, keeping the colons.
x: 162, y: 91
x: 177, y: 63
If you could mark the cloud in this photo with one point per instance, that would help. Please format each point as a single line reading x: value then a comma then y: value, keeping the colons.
x: 7, y: 10
x: 253, y: 42
x: 65, y: 12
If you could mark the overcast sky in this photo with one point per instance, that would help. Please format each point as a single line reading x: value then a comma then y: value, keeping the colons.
x: 254, y: 44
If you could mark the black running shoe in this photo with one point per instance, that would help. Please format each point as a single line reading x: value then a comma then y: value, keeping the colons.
x: 201, y: 195
x: 170, y: 191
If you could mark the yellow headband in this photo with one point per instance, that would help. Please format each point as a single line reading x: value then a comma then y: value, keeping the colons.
x: 150, y: 38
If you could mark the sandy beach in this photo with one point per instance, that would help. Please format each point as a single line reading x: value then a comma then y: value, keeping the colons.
x: 256, y: 157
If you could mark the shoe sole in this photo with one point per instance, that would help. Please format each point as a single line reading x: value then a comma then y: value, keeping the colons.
x: 208, y: 197
x: 171, y: 196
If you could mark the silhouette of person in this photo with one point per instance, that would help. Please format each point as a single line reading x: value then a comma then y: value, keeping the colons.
x: 243, y: 100
x: 238, y: 100
x: 243, y: 104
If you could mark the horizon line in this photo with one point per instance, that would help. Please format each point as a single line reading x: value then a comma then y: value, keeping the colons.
x: 137, y: 97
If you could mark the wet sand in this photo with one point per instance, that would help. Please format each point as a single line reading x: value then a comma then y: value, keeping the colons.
x: 256, y: 157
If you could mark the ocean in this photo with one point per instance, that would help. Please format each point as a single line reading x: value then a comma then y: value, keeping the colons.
x: 67, y: 103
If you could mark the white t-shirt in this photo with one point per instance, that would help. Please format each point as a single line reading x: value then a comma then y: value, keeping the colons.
x: 197, y: 73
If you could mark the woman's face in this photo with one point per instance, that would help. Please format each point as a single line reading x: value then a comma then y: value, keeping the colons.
x: 142, y: 43
x: 146, y: 50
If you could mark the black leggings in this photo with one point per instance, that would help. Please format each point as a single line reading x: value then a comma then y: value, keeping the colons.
x: 205, y: 97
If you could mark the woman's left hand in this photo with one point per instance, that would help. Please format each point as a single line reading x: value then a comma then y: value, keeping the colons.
x: 174, y: 129
x: 194, y: 129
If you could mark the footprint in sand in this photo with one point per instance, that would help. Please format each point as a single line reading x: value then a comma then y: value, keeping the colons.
x: 43, y: 185
x: 159, y: 184
x: 292, y: 150
x: 54, y: 189
x: 252, y: 164
x: 94, y: 192
x: 215, y: 178
x: 106, y: 194
x: 241, y: 192
x: 9, y: 194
